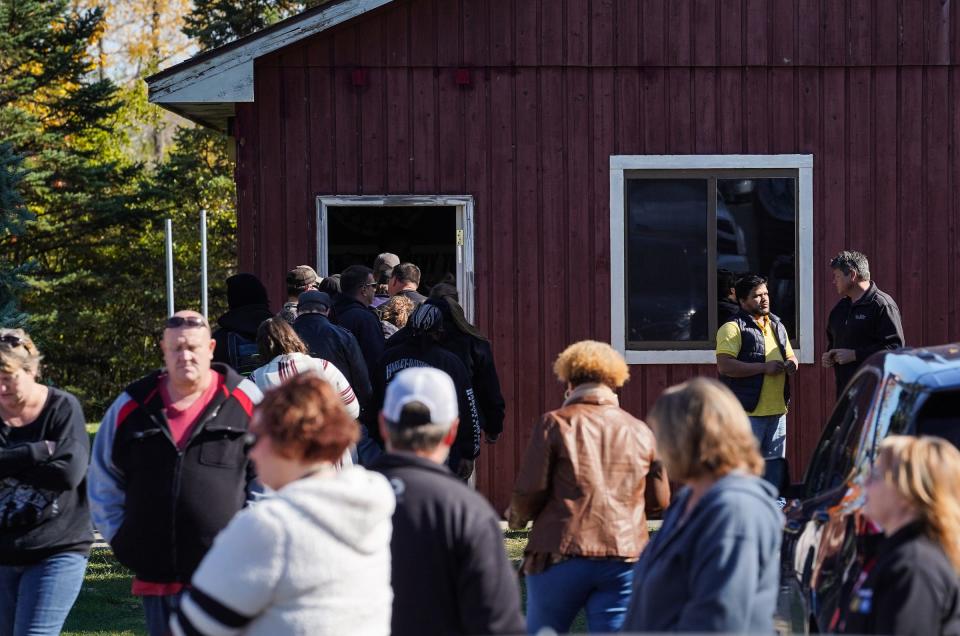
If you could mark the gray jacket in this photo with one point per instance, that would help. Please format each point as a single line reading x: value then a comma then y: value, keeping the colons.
x: 718, y: 570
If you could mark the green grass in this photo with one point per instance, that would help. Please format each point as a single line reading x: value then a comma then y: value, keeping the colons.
x: 105, y: 605
x: 514, y: 542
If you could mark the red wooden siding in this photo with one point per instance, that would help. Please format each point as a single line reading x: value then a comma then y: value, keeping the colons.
x: 868, y: 87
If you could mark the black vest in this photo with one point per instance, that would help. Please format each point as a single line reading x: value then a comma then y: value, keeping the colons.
x: 753, y: 349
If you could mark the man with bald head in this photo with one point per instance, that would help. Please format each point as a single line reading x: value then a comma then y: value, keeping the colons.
x: 169, y: 467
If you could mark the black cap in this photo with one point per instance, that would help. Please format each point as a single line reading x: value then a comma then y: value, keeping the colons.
x: 313, y: 299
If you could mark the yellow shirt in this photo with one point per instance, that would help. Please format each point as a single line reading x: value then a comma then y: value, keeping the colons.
x: 771, y: 394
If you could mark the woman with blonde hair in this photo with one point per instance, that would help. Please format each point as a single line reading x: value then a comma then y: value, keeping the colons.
x: 45, y: 530
x: 590, y: 474
x: 911, y: 586
x: 714, y: 565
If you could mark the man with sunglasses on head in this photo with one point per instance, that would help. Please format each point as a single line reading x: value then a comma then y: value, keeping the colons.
x: 170, y: 467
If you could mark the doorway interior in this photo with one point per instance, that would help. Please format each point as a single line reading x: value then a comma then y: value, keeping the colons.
x: 434, y: 233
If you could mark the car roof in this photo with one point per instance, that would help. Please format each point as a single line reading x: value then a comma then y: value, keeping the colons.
x: 935, y: 367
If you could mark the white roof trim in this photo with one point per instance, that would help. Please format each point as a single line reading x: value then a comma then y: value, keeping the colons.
x: 228, y: 77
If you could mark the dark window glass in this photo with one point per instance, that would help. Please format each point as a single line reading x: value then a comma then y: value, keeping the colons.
x: 756, y: 232
x: 834, y: 458
x: 667, y: 268
x: 940, y: 416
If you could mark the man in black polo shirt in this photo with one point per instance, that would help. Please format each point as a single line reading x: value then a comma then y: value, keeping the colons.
x: 866, y: 320
x: 450, y: 572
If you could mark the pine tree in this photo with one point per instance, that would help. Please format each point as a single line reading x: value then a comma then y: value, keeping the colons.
x: 83, y: 206
x: 215, y: 22
x: 13, y: 219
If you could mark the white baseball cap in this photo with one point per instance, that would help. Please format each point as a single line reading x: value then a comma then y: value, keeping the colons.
x: 424, y: 385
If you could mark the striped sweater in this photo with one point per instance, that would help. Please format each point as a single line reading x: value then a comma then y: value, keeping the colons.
x: 287, y: 365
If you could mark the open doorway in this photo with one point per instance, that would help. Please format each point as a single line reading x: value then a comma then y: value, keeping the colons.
x: 424, y: 236
x: 434, y: 233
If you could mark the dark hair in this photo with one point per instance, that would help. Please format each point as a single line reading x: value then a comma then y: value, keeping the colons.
x: 726, y: 280
x: 849, y: 261
x: 447, y: 294
x: 245, y: 289
x: 406, y: 273
x: 275, y: 337
x: 747, y: 283
x: 353, y: 278
x: 330, y: 284
x: 305, y: 420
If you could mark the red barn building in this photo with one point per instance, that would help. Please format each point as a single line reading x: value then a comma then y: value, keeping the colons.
x: 585, y: 167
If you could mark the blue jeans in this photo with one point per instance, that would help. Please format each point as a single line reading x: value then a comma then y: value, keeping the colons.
x: 35, y: 599
x: 771, y: 432
x: 556, y: 595
x: 158, y: 610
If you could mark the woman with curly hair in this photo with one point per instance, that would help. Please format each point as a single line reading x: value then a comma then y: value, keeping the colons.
x: 314, y: 558
x: 394, y: 314
x: 590, y: 474
x: 911, y: 586
x: 714, y: 566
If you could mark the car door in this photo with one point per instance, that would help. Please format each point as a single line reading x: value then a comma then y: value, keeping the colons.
x: 820, y: 535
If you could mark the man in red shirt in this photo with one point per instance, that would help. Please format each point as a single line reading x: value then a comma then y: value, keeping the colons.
x: 169, y: 467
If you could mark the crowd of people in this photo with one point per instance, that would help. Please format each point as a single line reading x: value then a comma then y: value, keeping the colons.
x: 308, y: 472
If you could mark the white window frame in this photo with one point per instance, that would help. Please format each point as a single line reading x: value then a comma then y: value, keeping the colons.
x: 619, y: 164
x: 463, y: 240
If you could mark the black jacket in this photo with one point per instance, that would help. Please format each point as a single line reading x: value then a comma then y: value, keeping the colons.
x: 726, y: 309
x: 241, y: 320
x: 171, y: 502
x: 447, y: 547
x: 477, y: 356
x: 911, y: 588
x: 338, y: 346
x: 421, y: 351
x: 52, y: 514
x: 364, y: 323
x: 869, y: 325
x: 413, y: 295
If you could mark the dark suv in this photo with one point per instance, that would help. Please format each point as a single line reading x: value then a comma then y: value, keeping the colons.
x: 826, y: 537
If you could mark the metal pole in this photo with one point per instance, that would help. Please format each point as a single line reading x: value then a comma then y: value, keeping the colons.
x: 169, y: 232
x: 203, y: 262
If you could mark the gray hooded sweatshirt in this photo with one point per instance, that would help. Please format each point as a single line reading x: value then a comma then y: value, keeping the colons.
x: 718, y: 570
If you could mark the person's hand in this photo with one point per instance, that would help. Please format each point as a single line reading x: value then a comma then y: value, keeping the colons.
x: 465, y: 469
x: 844, y: 356
x: 790, y: 366
x: 827, y: 359
x: 773, y: 367
x: 491, y: 439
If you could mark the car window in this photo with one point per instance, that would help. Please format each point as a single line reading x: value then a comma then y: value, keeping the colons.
x: 835, y: 455
x: 940, y: 416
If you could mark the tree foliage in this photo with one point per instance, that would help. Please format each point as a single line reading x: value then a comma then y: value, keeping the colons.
x: 88, y: 173
x: 216, y: 22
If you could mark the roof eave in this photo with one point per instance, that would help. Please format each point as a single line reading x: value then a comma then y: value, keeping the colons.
x: 221, y: 77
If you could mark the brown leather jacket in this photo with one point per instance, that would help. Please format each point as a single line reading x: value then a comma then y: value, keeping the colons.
x: 589, y: 475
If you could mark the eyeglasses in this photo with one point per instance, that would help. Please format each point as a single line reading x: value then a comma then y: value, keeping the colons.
x: 370, y: 284
x: 12, y: 340
x: 175, y: 322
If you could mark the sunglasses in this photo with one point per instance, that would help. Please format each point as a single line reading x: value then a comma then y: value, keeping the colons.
x: 12, y: 340
x: 175, y: 322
